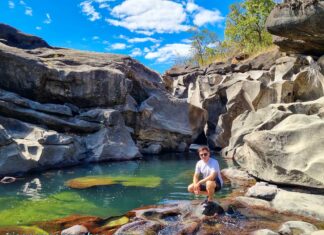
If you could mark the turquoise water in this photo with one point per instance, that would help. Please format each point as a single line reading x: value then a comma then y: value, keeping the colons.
x: 44, y: 196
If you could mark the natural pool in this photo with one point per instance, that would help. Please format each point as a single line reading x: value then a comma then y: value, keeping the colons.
x: 45, y: 196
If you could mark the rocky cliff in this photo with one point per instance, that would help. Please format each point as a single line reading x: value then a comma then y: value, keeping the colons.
x: 62, y: 107
x: 266, y: 112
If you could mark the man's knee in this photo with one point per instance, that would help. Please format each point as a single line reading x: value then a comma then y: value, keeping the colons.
x: 210, y: 185
x: 191, y: 188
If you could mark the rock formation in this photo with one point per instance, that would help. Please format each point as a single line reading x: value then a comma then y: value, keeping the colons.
x: 298, y: 26
x: 61, y: 107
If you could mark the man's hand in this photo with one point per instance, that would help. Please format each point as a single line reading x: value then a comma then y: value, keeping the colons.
x: 197, y: 188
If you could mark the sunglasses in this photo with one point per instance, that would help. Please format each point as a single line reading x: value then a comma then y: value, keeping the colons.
x: 203, y: 154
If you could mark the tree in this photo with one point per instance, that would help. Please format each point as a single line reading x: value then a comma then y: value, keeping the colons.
x: 203, y: 43
x: 245, y: 24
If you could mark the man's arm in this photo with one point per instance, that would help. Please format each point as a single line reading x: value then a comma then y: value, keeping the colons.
x: 211, y: 177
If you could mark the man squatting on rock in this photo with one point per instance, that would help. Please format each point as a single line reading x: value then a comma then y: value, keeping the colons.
x: 209, y: 169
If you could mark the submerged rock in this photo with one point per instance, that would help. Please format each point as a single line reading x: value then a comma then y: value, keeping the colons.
x: 92, y: 181
x: 75, y: 230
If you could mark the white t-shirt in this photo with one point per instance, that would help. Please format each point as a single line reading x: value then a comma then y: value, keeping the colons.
x: 207, y: 168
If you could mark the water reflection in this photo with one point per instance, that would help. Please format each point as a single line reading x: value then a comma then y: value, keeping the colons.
x: 175, y: 171
x: 32, y: 189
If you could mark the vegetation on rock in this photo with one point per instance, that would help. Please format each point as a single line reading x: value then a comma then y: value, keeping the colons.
x: 245, y: 32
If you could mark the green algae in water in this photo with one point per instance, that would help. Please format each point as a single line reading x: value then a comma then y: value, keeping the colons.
x: 19, y: 230
x: 92, y: 181
x: 53, y: 207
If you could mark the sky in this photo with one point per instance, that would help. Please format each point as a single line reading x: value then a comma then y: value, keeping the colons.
x: 154, y: 32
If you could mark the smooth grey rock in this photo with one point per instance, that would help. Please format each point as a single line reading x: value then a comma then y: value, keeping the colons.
x: 237, y: 177
x: 52, y: 121
x: 262, y: 191
x: 15, y: 38
x: 279, y: 143
x: 26, y: 103
x: 75, y: 230
x: 302, y: 204
x: 296, y: 227
x: 308, y: 84
x: 5, y: 139
x: 113, y: 142
x: 220, y: 68
x: 318, y: 232
x: 152, y: 149
x: 84, y: 79
x: 299, y: 20
x: 169, y: 124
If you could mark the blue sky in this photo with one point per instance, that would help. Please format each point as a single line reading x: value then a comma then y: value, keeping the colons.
x: 151, y: 31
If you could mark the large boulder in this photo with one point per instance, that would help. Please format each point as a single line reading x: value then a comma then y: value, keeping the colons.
x: 26, y: 147
x: 169, y: 122
x: 85, y: 79
x: 300, y: 23
x: 14, y: 38
x: 281, y: 143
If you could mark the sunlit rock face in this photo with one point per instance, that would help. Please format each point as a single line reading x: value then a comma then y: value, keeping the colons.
x: 281, y: 143
x: 96, y: 104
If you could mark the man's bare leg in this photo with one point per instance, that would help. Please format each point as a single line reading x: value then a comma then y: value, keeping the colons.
x: 210, y: 186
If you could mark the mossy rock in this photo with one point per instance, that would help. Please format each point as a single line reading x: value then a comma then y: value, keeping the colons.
x: 92, y: 181
x: 56, y: 206
x: 116, y: 222
x: 19, y: 230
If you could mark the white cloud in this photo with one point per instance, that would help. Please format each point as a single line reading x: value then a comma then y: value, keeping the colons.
x: 191, y: 6
x: 29, y: 11
x: 105, y: 42
x: 118, y: 46
x: 48, y: 19
x: 139, y: 40
x: 136, y: 52
x: 154, y: 16
x: 95, y: 38
x: 11, y: 4
x: 39, y: 28
x: 188, y: 41
x: 206, y: 16
x: 170, y: 52
x: 90, y: 11
x: 22, y: 3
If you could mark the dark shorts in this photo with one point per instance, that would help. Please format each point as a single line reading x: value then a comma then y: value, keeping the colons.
x: 218, y: 183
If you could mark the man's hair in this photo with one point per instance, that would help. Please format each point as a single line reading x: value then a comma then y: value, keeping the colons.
x: 203, y: 148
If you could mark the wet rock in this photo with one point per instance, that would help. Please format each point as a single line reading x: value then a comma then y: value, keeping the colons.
x: 212, y: 208
x: 139, y: 227
x: 296, y: 227
x: 308, y: 205
x: 75, y: 230
x: 7, y: 180
x: 264, y: 232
